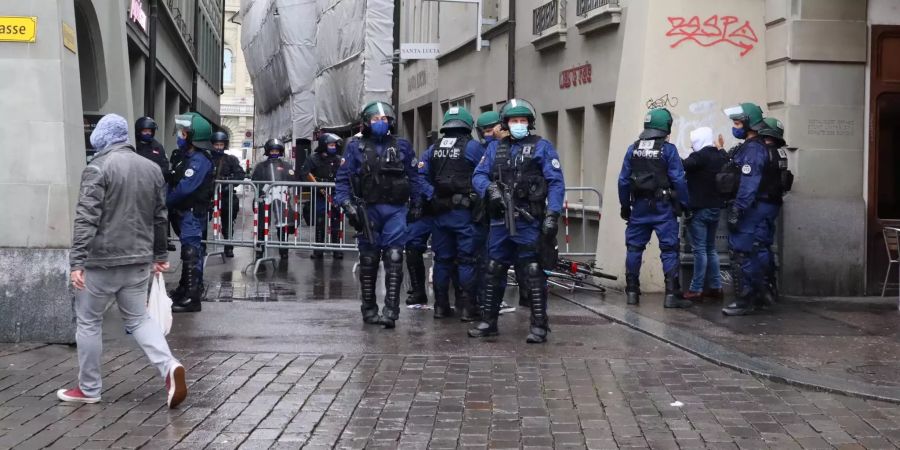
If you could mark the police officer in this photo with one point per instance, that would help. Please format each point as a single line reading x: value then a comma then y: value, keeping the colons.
x: 524, y: 169
x: 147, y: 145
x: 188, y: 201
x: 777, y: 181
x: 448, y: 167
x: 322, y: 166
x: 419, y: 228
x: 377, y: 180
x: 274, y: 169
x: 746, y: 214
x: 652, y: 188
x: 227, y: 167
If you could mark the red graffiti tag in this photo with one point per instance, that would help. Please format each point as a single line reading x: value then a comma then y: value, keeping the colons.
x: 713, y: 31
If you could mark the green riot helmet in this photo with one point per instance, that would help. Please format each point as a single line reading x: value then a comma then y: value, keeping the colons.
x: 750, y: 114
x: 517, y: 107
x: 488, y: 119
x: 657, y: 124
x: 774, y: 129
x: 197, y: 129
x: 377, y: 108
x: 457, y: 117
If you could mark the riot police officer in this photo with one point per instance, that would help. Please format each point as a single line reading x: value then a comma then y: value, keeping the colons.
x: 322, y: 166
x: 652, y: 190
x: 521, y: 179
x: 377, y: 180
x: 188, y: 201
x: 448, y: 167
x: 281, y: 209
x: 746, y: 214
x: 147, y: 145
x: 777, y: 181
x: 227, y: 167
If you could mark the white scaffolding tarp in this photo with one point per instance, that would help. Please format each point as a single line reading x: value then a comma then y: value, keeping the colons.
x: 313, y: 63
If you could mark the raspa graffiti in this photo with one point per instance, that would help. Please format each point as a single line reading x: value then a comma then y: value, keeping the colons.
x: 713, y: 31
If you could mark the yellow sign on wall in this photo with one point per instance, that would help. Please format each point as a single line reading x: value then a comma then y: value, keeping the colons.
x: 18, y: 29
x: 69, y: 40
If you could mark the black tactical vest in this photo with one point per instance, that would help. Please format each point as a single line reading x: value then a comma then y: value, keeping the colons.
x: 383, y: 178
x: 325, y: 166
x: 649, y: 170
x: 776, y: 178
x: 450, y: 171
x: 202, y: 196
x: 522, y: 174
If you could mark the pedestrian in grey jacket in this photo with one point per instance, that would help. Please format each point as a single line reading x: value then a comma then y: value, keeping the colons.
x: 119, y: 240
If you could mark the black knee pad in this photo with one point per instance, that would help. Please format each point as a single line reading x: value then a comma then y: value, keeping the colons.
x: 368, y: 258
x: 189, y: 252
x: 393, y: 255
x: 496, y: 268
x: 533, y: 269
x: 634, y: 248
x: 666, y: 248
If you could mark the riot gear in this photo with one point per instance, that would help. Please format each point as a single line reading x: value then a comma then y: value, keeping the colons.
x: 457, y: 117
x: 384, y: 178
x: 273, y: 144
x: 749, y: 114
x: 517, y: 107
x: 219, y: 136
x: 657, y: 124
x: 649, y: 171
x: 529, y: 187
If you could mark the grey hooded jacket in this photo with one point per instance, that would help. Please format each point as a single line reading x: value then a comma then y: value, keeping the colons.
x: 121, y: 215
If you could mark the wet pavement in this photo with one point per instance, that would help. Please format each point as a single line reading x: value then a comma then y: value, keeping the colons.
x: 283, y: 361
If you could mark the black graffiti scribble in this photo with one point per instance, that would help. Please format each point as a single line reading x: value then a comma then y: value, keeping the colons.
x: 713, y: 31
x: 662, y: 102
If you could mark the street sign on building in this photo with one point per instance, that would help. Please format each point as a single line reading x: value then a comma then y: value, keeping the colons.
x: 420, y: 51
x: 18, y: 29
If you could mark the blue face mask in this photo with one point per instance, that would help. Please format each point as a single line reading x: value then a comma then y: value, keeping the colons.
x: 331, y: 151
x: 274, y: 156
x: 145, y: 137
x: 489, y: 139
x: 380, y: 128
x: 518, y: 130
x: 181, y: 142
x: 739, y: 133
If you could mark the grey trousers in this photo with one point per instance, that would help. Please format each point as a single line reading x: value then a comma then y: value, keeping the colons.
x: 128, y: 286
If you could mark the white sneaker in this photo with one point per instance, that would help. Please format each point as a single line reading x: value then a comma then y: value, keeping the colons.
x: 505, y: 308
x: 175, y: 386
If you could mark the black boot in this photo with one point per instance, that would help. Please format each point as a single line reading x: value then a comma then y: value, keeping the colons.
x: 415, y: 265
x: 493, y: 295
x: 320, y: 238
x: 442, y: 307
x: 179, y: 293
x: 283, y: 253
x: 633, y: 288
x: 537, y: 296
x: 368, y: 276
x: 672, y: 300
x: 742, y: 304
x: 193, y: 288
x: 522, y: 281
x: 338, y: 255
x: 316, y: 254
x: 229, y: 251
x: 468, y: 310
x: 393, y: 282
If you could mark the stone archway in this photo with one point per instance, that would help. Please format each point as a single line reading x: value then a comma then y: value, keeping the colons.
x: 91, y: 60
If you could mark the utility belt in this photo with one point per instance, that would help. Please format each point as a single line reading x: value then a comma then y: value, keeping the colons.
x: 442, y: 204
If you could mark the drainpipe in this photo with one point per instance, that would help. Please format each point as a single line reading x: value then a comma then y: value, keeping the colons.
x: 511, y: 53
x: 196, y: 66
x: 395, y: 63
x: 150, y: 72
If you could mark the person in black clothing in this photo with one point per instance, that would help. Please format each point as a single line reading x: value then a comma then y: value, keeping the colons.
x: 226, y: 167
x: 322, y: 166
x: 706, y: 205
x: 274, y: 169
x: 147, y: 145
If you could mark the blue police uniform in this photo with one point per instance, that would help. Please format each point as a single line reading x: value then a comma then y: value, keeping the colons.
x: 754, y: 233
x: 531, y: 167
x: 650, y: 213
x: 447, y: 168
x: 384, y: 175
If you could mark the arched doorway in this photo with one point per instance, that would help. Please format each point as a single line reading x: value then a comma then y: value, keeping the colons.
x: 91, y: 61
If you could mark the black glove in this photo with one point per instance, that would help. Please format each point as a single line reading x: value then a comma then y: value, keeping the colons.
x: 415, y: 213
x: 625, y: 212
x: 495, y: 198
x: 550, y: 225
x: 352, y: 214
x: 688, y: 214
x: 734, y: 216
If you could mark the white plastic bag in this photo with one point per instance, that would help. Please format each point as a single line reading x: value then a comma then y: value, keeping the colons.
x: 159, y: 305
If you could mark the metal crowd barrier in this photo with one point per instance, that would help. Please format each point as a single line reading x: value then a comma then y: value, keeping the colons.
x: 286, y: 215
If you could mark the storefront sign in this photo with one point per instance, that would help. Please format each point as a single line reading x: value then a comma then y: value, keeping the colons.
x: 420, y: 51
x: 137, y: 14
x: 18, y: 29
x: 575, y: 76
x: 68, y: 35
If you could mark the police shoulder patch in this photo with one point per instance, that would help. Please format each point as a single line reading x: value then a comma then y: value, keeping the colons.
x: 746, y: 170
x: 189, y: 173
x: 555, y: 163
x: 291, y: 172
x: 343, y: 161
x: 421, y: 165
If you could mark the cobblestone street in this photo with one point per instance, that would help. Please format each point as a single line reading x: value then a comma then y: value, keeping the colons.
x: 303, y: 372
